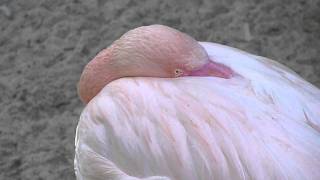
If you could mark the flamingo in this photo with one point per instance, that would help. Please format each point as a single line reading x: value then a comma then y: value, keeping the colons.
x: 160, y: 105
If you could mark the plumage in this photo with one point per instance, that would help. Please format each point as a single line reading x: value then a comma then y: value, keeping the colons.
x: 263, y: 123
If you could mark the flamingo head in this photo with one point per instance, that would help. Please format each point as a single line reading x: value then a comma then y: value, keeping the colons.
x: 147, y: 51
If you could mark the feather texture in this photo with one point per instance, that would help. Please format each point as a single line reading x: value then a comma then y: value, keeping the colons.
x: 264, y: 123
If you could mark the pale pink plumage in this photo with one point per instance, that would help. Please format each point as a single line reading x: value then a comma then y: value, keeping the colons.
x: 263, y: 123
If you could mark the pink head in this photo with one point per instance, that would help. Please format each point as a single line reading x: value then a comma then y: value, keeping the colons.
x: 148, y: 51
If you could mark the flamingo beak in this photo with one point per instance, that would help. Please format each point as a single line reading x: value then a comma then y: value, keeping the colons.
x: 213, y: 69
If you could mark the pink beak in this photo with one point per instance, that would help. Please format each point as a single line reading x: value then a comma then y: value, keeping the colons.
x: 213, y: 69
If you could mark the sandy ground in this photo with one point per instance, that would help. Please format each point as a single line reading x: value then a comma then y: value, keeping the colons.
x: 44, y: 45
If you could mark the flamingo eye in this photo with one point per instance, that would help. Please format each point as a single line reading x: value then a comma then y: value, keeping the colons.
x: 178, y: 72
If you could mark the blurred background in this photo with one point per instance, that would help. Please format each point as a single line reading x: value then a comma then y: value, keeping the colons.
x: 44, y: 45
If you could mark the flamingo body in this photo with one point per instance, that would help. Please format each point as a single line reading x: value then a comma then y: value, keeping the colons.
x: 263, y: 123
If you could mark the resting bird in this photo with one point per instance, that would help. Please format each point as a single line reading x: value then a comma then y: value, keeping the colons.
x: 161, y: 105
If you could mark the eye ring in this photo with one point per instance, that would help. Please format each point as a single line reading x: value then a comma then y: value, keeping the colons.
x: 178, y: 72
